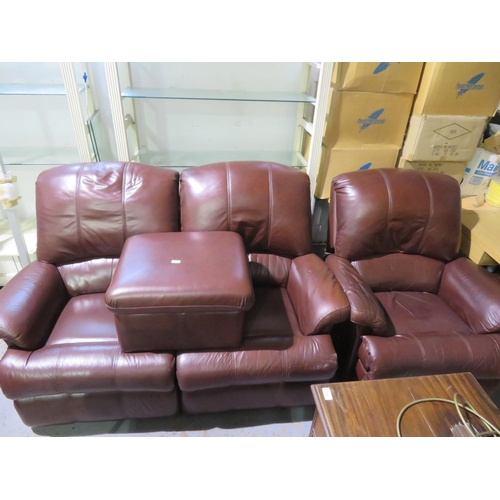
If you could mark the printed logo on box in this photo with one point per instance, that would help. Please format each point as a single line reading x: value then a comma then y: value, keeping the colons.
x: 373, y: 119
x: 472, y: 84
x: 381, y: 67
x: 366, y: 166
x: 486, y: 168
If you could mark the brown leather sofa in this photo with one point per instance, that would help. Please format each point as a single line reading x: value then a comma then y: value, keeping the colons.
x: 417, y: 307
x: 125, y: 316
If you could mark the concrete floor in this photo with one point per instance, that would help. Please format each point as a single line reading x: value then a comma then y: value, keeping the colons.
x: 294, y: 422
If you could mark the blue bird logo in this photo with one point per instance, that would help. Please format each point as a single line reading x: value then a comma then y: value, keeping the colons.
x: 472, y: 84
x: 373, y: 119
x: 381, y: 67
x: 366, y: 166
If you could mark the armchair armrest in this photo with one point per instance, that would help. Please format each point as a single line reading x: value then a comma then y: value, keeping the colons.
x: 316, y: 296
x: 473, y: 293
x: 365, y: 308
x: 30, y: 304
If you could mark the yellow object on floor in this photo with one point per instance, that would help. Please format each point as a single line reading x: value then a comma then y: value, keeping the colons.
x: 493, y: 193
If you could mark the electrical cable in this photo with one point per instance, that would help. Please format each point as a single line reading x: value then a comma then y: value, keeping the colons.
x: 492, y: 430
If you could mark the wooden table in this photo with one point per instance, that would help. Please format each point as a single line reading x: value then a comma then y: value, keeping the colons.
x: 480, y: 232
x: 371, y: 408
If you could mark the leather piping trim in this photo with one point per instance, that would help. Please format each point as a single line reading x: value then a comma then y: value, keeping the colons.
x: 431, y: 214
x: 270, y: 210
x: 77, y: 212
x: 124, y: 211
x: 228, y: 190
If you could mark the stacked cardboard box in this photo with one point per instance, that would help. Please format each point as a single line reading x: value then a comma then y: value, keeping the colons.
x: 368, y: 110
x: 452, y: 107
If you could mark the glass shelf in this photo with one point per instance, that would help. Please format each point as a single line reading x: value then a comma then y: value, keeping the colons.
x: 47, y: 89
x: 8, y: 246
x: 39, y: 155
x: 216, y: 95
x: 186, y: 159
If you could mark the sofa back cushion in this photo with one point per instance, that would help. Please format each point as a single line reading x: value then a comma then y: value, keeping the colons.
x: 383, y: 211
x: 87, y: 211
x: 89, y: 276
x: 266, y: 203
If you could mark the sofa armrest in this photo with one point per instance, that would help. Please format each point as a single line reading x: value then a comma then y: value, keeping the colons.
x: 365, y: 308
x: 316, y: 296
x: 30, y: 304
x: 473, y: 293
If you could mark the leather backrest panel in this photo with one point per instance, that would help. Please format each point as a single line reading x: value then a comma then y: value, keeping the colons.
x: 88, y: 210
x: 383, y: 211
x: 266, y: 203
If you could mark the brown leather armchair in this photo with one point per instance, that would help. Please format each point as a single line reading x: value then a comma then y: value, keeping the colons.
x: 87, y: 333
x: 417, y: 307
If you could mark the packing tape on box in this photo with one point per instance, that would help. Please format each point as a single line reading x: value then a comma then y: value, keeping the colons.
x: 9, y: 194
x: 493, y: 193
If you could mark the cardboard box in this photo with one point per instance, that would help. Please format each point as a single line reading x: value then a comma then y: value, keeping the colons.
x: 479, y: 172
x: 492, y: 144
x: 454, y: 169
x: 466, y: 89
x: 395, y: 77
x: 338, y: 161
x: 443, y: 138
x: 367, y: 119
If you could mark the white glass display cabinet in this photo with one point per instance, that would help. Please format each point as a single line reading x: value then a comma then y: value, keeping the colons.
x: 181, y: 115
x: 47, y: 118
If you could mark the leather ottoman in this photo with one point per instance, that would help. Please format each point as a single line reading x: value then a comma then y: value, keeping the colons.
x: 174, y: 291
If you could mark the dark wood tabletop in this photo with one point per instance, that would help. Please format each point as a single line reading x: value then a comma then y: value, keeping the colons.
x: 371, y: 408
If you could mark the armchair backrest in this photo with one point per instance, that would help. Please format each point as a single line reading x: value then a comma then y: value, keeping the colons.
x: 87, y: 211
x: 397, y: 226
x: 266, y: 203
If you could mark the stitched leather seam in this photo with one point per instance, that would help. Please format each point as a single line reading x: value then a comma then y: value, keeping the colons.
x: 422, y: 350
x: 228, y: 190
x: 389, y: 205
x: 124, y: 212
x: 467, y: 345
x: 270, y: 212
x: 77, y: 212
x: 14, y: 336
x: 114, y: 364
x: 431, y: 214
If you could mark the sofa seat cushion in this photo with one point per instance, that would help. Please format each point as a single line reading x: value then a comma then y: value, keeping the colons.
x: 85, y: 319
x: 420, y: 312
x: 308, y: 359
x: 274, y: 351
x: 83, y: 356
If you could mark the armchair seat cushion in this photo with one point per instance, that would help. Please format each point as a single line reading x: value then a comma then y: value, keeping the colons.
x: 429, y: 338
x: 414, y: 313
x: 430, y: 353
x: 83, y: 356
